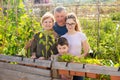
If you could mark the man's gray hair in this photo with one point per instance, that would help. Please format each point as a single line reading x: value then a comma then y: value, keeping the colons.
x: 59, y: 9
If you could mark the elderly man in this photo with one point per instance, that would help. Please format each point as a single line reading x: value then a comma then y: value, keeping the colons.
x: 60, y: 15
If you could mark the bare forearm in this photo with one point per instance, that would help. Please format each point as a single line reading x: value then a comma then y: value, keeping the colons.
x: 86, y: 48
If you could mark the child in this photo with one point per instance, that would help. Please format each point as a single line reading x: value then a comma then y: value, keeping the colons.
x: 62, y: 47
x: 42, y: 45
x: 76, y: 38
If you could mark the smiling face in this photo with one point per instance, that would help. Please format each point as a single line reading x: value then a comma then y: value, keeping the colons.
x: 70, y: 25
x: 62, y: 49
x: 48, y: 24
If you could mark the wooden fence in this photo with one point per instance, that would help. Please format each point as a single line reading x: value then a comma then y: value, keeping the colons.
x: 19, y: 68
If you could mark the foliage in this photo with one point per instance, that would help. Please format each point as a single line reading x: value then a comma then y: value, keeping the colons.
x: 107, y: 38
x: 104, y: 77
x: 115, y: 16
x: 47, y: 40
x: 69, y: 58
x: 16, y: 30
x: 65, y: 58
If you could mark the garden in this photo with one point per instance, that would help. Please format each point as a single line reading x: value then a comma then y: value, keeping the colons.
x: 99, y: 21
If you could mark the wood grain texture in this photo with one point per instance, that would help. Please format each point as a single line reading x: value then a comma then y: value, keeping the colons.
x: 25, y: 69
x: 6, y: 74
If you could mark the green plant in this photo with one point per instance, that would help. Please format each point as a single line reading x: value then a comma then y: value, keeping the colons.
x: 104, y: 77
x: 17, y: 28
x: 115, y: 16
x: 108, y: 38
x: 66, y: 57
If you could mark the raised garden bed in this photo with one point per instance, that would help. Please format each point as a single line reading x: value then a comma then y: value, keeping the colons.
x: 30, y: 69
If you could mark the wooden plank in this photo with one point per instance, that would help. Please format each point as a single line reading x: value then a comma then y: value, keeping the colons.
x: 102, y: 70
x: 75, y: 67
x: 27, y: 61
x: 9, y: 58
x: 87, y: 68
x: 25, y: 69
x: 64, y: 72
x: 59, y: 65
x: 92, y: 75
x: 54, y: 73
x: 76, y: 73
x: 69, y: 66
x: 110, y: 68
x: 44, y: 63
x: 114, y: 77
x: 16, y: 75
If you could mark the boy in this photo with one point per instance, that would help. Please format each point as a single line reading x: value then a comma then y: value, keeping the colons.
x: 62, y: 47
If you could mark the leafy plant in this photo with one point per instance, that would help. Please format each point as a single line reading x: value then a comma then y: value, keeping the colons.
x: 65, y: 58
x: 104, y: 77
x: 16, y: 29
x: 115, y: 16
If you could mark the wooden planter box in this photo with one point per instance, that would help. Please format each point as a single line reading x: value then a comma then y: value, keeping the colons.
x: 45, y: 69
x: 76, y: 69
x: 115, y: 77
x: 61, y: 68
x: 96, y: 69
x: 73, y: 69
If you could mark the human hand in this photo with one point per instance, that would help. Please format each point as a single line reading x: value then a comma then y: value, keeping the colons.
x: 80, y: 56
x: 33, y: 56
x: 41, y: 58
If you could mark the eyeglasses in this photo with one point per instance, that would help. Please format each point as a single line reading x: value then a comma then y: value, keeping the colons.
x: 70, y: 24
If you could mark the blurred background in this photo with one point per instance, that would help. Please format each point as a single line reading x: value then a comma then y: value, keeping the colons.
x: 99, y: 19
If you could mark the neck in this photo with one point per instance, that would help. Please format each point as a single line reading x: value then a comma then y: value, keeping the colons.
x: 47, y: 29
x: 72, y: 32
x: 61, y: 25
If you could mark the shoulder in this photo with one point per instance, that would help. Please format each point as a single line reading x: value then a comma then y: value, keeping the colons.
x: 55, y: 34
x: 65, y: 35
x: 38, y: 34
x: 82, y: 36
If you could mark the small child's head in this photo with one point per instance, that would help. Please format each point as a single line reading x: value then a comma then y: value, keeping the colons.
x: 47, y: 21
x: 62, y: 45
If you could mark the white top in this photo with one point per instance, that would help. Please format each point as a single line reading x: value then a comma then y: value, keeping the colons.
x: 75, y: 42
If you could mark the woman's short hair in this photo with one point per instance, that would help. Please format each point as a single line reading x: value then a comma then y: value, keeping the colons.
x: 46, y: 16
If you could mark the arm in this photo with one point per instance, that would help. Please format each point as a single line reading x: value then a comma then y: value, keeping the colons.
x: 86, y: 48
x: 33, y: 48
